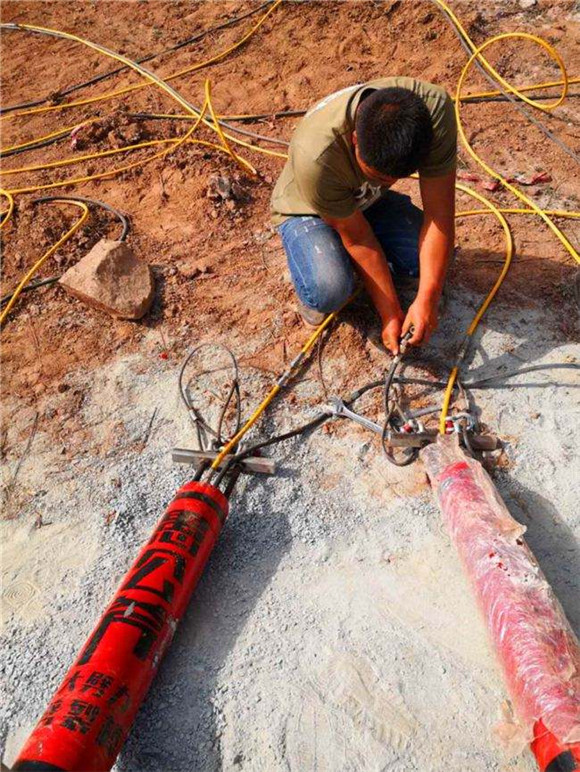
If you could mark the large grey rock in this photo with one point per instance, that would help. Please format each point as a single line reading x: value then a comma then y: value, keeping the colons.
x: 112, y: 279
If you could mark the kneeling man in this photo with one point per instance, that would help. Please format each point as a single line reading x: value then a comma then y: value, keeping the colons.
x: 336, y: 213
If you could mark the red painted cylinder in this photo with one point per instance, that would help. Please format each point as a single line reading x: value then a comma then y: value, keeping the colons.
x: 89, y: 717
x: 551, y: 755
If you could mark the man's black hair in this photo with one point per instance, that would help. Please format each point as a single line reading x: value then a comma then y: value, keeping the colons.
x: 394, y: 131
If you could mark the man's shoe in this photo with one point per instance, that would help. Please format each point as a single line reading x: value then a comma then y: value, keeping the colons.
x: 311, y: 316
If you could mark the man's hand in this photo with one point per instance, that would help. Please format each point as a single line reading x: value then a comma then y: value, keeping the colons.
x: 392, y: 332
x: 422, y: 315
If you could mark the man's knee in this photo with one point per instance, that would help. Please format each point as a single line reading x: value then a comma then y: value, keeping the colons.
x: 331, y: 291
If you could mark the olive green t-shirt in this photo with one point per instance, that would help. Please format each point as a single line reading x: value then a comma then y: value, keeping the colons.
x: 322, y: 177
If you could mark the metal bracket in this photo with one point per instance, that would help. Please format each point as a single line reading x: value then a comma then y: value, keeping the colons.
x: 253, y: 465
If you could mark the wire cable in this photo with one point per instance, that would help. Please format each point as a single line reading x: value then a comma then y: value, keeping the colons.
x: 201, y: 425
x: 142, y: 60
x: 24, y: 281
x: 61, y: 199
x: 133, y: 65
x: 491, y: 75
x: 123, y: 219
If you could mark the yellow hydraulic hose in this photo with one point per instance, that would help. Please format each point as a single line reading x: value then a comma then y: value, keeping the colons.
x: 24, y: 281
x: 175, y: 143
x: 8, y: 213
x: 477, y: 55
x: 134, y: 66
x: 278, y: 386
x: 509, y: 251
x: 241, y: 161
x: 551, y: 212
x: 75, y: 159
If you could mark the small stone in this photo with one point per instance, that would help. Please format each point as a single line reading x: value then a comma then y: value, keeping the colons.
x: 220, y: 187
x: 191, y: 269
x: 525, y: 4
x: 113, y: 280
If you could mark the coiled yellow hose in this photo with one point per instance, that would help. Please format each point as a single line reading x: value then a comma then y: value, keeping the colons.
x: 226, y: 138
x: 477, y: 55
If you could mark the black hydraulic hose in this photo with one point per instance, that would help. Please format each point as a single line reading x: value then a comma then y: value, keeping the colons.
x: 409, y: 455
x: 241, y: 118
x: 35, y: 145
x: 32, y: 286
x: 487, y: 383
x: 92, y: 202
x: 123, y: 219
x: 234, y: 391
x: 309, y: 426
x: 148, y: 58
x: 148, y: 73
x: 304, y: 429
x: 510, y: 97
x: 225, y: 124
x: 231, y: 482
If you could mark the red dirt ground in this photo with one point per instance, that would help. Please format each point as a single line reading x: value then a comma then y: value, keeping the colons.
x: 303, y: 52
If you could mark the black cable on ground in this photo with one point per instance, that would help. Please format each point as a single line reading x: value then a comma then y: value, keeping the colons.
x: 151, y: 75
x: 487, y: 383
x: 240, y: 119
x: 225, y: 124
x: 148, y: 58
x: 123, y: 219
x: 36, y: 145
x: 503, y: 98
x: 510, y: 97
x: 29, y: 287
x: 92, y: 202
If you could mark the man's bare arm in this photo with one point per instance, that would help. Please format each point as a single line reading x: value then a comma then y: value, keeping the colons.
x: 362, y: 245
x: 435, y: 246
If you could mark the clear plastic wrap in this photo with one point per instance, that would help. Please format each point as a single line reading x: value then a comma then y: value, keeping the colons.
x: 536, y: 646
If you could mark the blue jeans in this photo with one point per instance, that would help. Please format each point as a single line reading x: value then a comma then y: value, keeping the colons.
x: 322, y: 270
